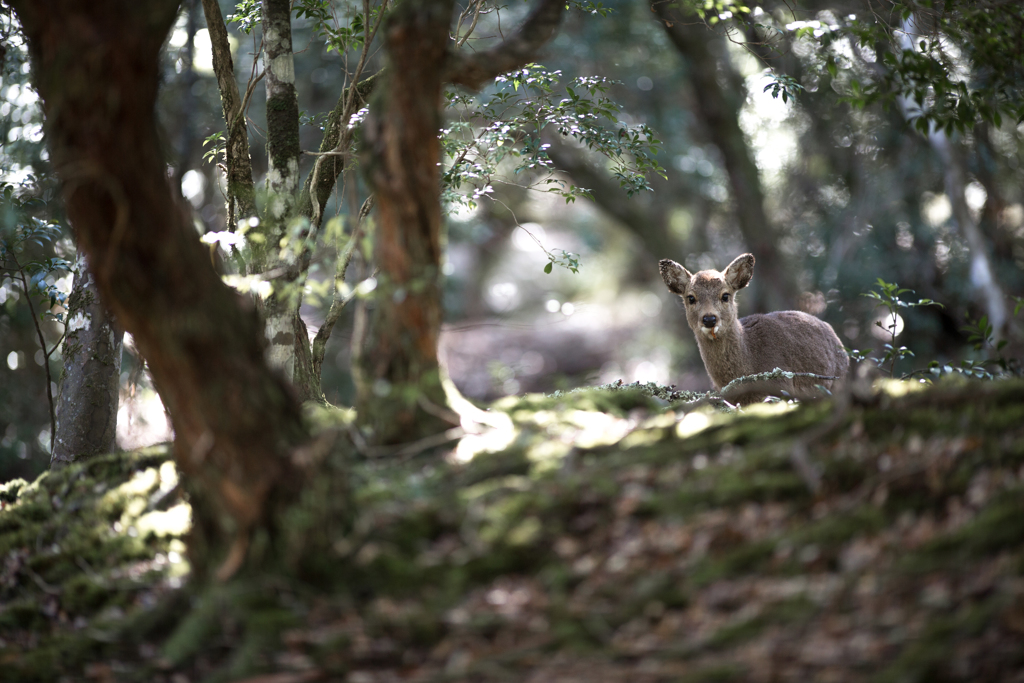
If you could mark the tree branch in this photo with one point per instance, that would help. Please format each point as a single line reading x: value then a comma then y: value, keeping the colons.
x: 338, y: 305
x: 241, y: 188
x: 474, y: 70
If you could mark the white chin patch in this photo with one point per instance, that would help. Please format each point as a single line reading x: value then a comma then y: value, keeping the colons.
x: 711, y: 331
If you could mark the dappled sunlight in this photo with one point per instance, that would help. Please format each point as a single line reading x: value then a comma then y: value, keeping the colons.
x: 692, y: 423
x: 142, y: 420
x: 173, y: 522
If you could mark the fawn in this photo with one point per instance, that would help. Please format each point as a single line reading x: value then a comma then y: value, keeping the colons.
x: 733, y: 347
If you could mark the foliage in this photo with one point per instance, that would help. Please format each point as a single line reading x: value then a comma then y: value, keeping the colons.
x: 888, y: 297
x: 958, y: 63
x: 20, y: 231
x: 508, y: 123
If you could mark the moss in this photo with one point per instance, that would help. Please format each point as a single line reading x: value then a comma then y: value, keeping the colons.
x: 384, y: 551
x: 998, y: 527
x: 719, y: 673
x: 926, y: 658
x: 9, y: 491
x: 748, y: 557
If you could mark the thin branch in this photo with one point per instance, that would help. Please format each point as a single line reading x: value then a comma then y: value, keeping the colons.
x: 338, y: 305
x: 241, y: 189
x: 474, y: 70
x: 476, y: 9
x: 42, y: 343
x: 348, y: 109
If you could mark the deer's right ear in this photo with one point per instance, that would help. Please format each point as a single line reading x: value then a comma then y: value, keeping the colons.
x: 675, y: 276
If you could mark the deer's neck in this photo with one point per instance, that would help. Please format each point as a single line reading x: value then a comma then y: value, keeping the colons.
x: 725, y: 355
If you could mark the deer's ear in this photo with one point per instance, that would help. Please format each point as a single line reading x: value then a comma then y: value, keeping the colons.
x: 737, y: 275
x: 675, y: 276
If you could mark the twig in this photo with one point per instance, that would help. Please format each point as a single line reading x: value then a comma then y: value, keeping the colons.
x: 42, y: 343
x: 319, y: 346
x: 777, y: 373
x: 47, y: 588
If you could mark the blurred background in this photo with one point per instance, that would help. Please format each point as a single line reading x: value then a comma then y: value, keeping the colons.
x: 828, y: 197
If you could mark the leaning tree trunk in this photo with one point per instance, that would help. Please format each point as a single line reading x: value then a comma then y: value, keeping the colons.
x: 983, y: 280
x: 89, y: 383
x: 96, y: 67
x: 718, y: 108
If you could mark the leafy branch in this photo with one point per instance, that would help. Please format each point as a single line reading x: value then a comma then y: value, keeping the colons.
x: 32, y: 276
x: 502, y: 132
x: 889, y: 296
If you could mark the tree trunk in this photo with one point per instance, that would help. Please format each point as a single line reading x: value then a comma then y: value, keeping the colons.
x: 96, y: 67
x: 395, y: 367
x: 718, y: 108
x: 89, y: 384
x: 398, y: 373
x: 955, y: 181
x: 241, y: 188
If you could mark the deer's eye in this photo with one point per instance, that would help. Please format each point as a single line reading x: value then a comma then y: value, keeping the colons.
x: 691, y: 299
x: 725, y: 297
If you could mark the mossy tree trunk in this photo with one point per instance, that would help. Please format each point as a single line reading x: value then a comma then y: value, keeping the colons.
x: 236, y: 423
x: 238, y: 166
x: 89, y: 383
x: 398, y: 383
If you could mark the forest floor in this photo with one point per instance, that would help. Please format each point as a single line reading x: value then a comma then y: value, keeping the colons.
x: 601, y: 535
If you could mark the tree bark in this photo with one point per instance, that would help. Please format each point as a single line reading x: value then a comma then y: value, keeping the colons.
x: 718, y: 108
x: 96, y: 67
x: 398, y: 372
x: 88, y: 395
x: 395, y: 366
x: 241, y: 188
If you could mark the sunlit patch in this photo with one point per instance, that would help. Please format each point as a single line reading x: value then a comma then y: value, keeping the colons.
x: 936, y: 209
x: 173, y: 522
x: 691, y: 424
x: 249, y: 283
x: 140, y: 484
x: 528, y: 237
x: 487, y: 431
x: 598, y: 429
x: 142, y: 420
x: 490, y: 441
x: 897, y: 388
x: 548, y: 453
x: 168, y: 476
x: 887, y: 326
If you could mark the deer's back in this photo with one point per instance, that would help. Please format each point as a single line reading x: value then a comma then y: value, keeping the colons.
x: 793, y: 341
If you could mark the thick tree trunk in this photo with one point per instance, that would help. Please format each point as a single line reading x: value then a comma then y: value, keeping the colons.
x: 89, y: 384
x: 236, y: 424
x: 718, y: 108
x: 397, y: 374
x: 395, y: 367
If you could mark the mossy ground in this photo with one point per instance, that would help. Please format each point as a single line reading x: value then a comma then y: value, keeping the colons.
x: 612, y: 535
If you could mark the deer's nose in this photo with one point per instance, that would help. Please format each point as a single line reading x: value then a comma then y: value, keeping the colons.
x: 709, y: 320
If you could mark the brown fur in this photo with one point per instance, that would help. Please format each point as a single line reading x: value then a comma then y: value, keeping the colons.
x: 732, y: 347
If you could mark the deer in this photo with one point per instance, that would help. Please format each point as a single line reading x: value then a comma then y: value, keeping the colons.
x: 733, y: 347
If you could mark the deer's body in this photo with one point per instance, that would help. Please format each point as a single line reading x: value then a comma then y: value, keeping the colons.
x: 732, y: 347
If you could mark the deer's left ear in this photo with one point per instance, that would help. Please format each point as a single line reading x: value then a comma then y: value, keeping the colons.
x: 737, y: 275
x: 675, y: 276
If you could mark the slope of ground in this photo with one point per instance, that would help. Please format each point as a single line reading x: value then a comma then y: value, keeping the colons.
x: 604, y: 535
